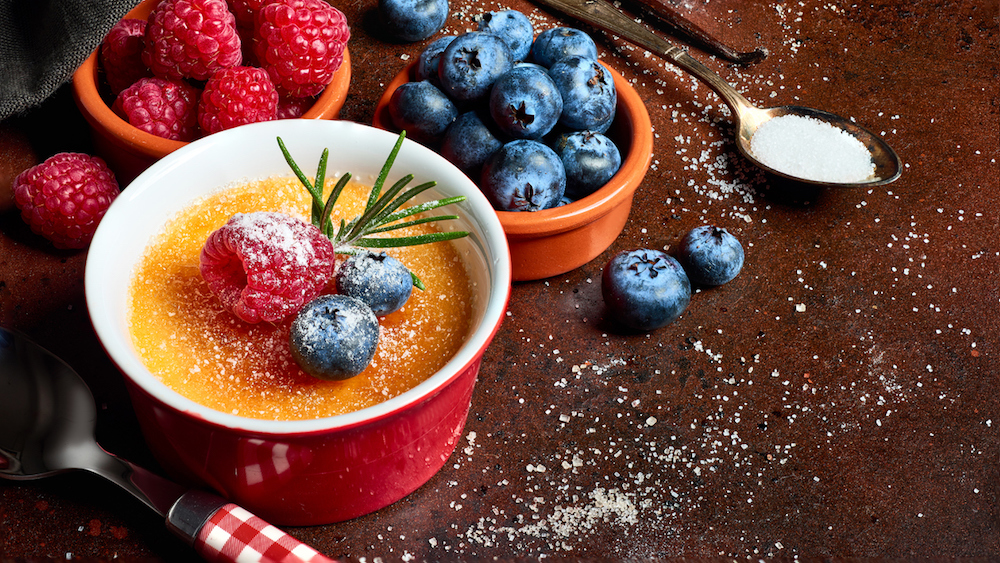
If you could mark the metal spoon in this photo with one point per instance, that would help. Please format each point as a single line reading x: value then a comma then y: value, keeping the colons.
x: 749, y: 118
x: 47, y: 420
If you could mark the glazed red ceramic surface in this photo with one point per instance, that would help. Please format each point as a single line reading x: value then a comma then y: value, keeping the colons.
x: 301, y: 479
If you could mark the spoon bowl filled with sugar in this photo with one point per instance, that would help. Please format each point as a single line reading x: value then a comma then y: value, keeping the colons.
x: 791, y: 142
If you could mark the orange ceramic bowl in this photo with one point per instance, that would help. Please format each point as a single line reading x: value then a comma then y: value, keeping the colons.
x: 129, y: 151
x: 554, y: 241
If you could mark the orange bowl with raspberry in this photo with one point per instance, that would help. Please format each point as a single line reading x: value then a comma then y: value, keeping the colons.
x: 330, y: 467
x: 129, y: 150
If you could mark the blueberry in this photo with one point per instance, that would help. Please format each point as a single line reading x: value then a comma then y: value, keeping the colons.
x: 524, y: 102
x: 590, y: 160
x: 471, y: 63
x: 530, y: 65
x: 413, y: 20
x: 513, y: 27
x: 644, y: 289
x: 376, y: 279
x: 524, y: 175
x: 334, y: 337
x: 469, y: 142
x: 558, y: 43
x: 710, y: 255
x: 430, y: 58
x: 422, y: 110
x: 588, y: 92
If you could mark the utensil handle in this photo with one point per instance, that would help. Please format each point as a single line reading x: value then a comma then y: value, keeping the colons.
x: 663, y: 10
x: 221, y: 531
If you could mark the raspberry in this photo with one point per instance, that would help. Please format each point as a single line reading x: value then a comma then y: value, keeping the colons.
x: 64, y: 198
x: 265, y: 266
x: 245, y: 11
x: 301, y: 44
x: 237, y: 96
x: 191, y: 39
x: 289, y: 107
x: 121, y: 54
x: 165, y: 108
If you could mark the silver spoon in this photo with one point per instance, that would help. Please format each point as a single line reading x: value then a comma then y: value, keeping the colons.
x: 749, y: 118
x: 47, y: 420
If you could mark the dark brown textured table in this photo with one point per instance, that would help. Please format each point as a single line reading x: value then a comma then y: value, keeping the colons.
x: 839, y: 398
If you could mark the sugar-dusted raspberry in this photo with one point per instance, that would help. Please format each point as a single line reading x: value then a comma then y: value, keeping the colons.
x: 237, y: 96
x: 301, y: 44
x: 265, y: 266
x: 165, y: 108
x: 121, y: 54
x: 191, y: 39
x: 64, y: 198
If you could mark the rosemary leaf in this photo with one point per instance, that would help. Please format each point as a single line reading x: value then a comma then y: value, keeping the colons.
x: 374, y: 208
x: 393, y: 242
x: 412, y: 223
x: 384, y: 173
x: 388, y: 209
x: 324, y: 224
x: 421, y: 208
x: 317, y: 198
x: 383, y: 212
x: 417, y: 282
x: 318, y: 184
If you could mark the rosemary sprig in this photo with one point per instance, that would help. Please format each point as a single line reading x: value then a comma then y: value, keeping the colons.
x: 384, y: 212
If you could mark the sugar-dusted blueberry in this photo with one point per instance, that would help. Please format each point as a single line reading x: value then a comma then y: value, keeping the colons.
x: 376, y: 279
x: 558, y: 43
x: 513, y: 27
x: 710, y: 255
x: 524, y: 102
x: 644, y: 289
x: 470, y: 141
x: 334, y: 337
x: 471, y: 64
x: 524, y: 175
x: 430, y: 58
x: 422, y: 110
x: 413, y: 20
x: 590, y: 160
x: 588, y: 91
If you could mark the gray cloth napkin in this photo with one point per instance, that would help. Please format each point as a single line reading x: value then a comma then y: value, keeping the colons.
x: 43, y: 41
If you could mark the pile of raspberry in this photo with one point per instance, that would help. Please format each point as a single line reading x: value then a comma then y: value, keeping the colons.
x: 196, y: 67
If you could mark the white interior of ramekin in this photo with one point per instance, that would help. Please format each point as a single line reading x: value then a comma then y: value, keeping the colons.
x: 251, y: 152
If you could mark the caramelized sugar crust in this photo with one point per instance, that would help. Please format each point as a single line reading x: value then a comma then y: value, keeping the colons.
x: 205, y: 353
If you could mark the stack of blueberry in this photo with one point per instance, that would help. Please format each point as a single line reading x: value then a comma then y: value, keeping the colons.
x: 525, y: 116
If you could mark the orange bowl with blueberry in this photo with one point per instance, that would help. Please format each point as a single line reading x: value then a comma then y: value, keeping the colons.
x: 556, y: 239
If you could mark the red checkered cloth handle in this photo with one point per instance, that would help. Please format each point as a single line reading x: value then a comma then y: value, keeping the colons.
x: 235, y: 535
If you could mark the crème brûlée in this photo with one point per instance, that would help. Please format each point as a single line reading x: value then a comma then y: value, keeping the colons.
x: 204, y: 352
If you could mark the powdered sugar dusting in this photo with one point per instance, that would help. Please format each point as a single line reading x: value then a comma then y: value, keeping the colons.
x: 269, y: 235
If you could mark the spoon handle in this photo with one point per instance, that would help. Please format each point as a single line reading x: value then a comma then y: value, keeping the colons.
x: 603, y: 15
x: 221, y: 531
